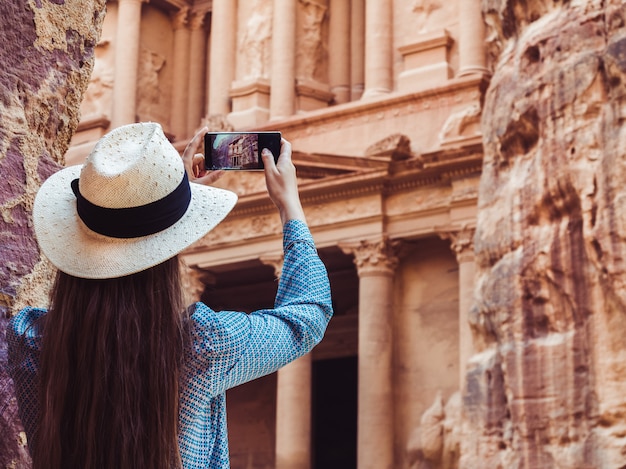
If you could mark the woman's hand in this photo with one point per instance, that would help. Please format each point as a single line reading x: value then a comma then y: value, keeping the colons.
x: 282, y: 184
x: 194, y: 162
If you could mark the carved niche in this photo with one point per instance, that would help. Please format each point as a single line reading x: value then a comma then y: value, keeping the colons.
x: 98, y: 97
x: 311, y: 51
x: 149, y: 90
x: 433, y: 14
x: 255, y: 42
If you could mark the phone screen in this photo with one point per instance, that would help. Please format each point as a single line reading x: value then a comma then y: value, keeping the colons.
x: 239, y: 150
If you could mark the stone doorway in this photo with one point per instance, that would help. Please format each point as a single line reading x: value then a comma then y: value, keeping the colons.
x: 334, y: 413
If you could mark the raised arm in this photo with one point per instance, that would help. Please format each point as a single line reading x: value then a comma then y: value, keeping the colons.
x: 241, y: 347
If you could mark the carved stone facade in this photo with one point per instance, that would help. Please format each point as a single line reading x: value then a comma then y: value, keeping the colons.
x: 381, y: 100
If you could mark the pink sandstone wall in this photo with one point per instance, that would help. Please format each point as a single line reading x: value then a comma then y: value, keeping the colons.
x: 548, y: 387
x: 47, y: 57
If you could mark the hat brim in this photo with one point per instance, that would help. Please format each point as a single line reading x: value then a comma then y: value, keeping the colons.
x: 76, y: 250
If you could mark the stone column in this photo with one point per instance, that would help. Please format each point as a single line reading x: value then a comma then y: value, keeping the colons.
x: 207, y: 71
x: 283, y: 76
x: 293, y: 403
x: 462, y: 243
x: 472, y: 55
x: 376, y: 263
x: 293, y: 415
x: 223, y: 50
x: 339, y: 53
x: 197, y: 67
x: 378, y: 48
x: 126, y: 62
x: 180, y: 82
x: 357, y: 49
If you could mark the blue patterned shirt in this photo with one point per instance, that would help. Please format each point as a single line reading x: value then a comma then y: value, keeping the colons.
x: 227, y: 349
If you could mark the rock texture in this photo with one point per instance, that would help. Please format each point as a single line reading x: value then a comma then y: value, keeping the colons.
x: 47, y: 57
x: 547, y: 387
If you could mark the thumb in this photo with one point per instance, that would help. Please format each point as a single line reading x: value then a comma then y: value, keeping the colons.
x: 268, y: 158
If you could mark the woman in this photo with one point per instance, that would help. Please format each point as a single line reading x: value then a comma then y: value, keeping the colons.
x: 117, y: 373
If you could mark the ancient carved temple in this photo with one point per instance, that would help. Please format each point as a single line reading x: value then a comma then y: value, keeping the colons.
x: 381, y: 101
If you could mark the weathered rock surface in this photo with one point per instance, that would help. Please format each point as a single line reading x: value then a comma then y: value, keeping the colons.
x: 547, y: 387
x: 47, y: 58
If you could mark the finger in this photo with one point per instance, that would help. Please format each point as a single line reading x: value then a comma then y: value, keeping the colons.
x: 268, y: 159
x: 198, y: 162
x: 197, y: 137
x: 285, y: 150
x: 194, y: 142
x: 210, y: 177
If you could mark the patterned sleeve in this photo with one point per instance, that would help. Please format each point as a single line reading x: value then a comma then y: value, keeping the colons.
x: 24, y: 346
x: 239, y: 347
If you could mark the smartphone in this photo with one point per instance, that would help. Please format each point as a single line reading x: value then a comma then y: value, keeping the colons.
x: 239, y: 150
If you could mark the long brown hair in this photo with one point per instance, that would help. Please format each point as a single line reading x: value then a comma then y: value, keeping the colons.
x: 109, y: 372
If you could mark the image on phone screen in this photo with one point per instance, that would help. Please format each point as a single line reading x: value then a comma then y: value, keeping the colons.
x: 239, y: 150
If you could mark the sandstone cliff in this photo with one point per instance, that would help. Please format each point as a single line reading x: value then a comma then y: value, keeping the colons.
x: 547, y: 386
x: 47, y: 56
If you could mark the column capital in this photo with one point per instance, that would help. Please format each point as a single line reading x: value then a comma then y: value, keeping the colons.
x: 274, y: 260
x: 197, y: 19
x: 194, y: 281
x: 461, y: 242
x: 180, y: 18
x: 373, y: 257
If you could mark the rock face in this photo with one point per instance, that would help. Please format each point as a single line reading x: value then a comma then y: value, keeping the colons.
x: 47, y: 58
x: 547, y: 385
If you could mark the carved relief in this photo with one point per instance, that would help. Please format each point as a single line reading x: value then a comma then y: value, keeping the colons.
x: 462, y: 124
x: 99, y: 94
x: 426, y: 441
x: 245, y: 182
x: 402, y: 107
x: 311, y: 51
x: 217, y: 123
x: 436, y: 441
x: 432, y: 14
x: 149, y: 92
x: 349, y: 209
x: 194, y: 282
x: 255, y: 43
x: 242, y: 229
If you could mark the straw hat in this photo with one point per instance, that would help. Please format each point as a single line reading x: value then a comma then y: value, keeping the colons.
x: 128, y: 208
